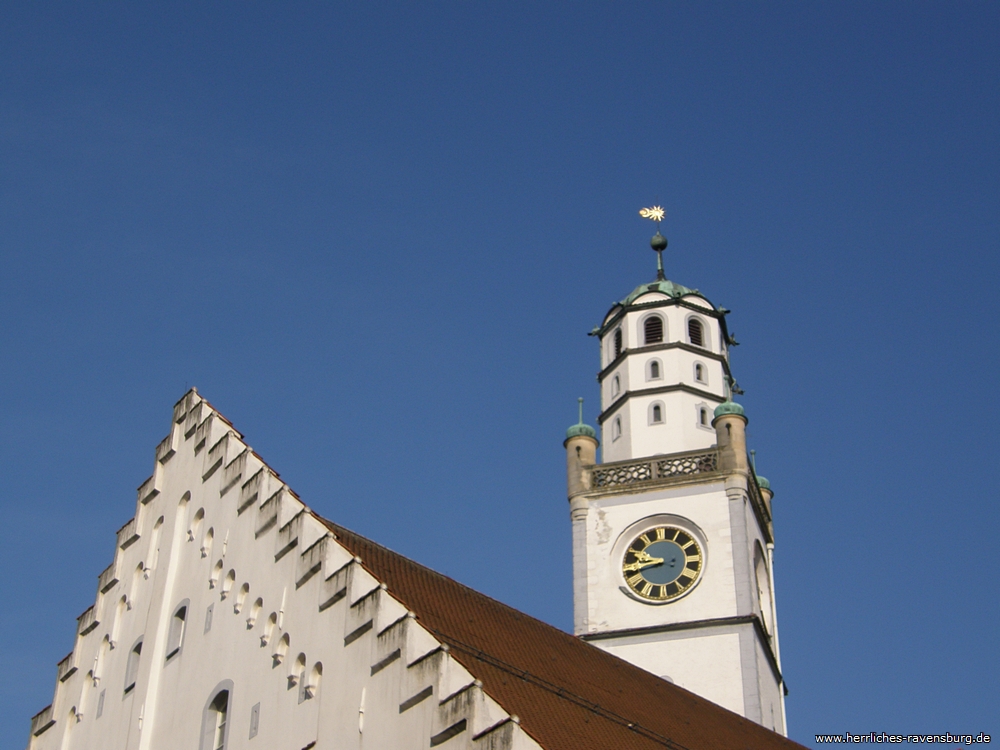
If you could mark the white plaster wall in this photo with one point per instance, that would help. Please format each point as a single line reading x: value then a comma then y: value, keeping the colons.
x: 701, y: 663
x: 608, y: 518
x: 680, y: 431
x: 352, y: 709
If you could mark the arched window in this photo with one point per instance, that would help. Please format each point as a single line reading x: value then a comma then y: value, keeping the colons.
x: 656, y: 413
x: 616, y: 386
x: 272, y: 623
x: 254, y: 613
x: 281, y: 649
x: 241, y: 598
x: 215, y: 722
x: 199, y: 516
x: 618, y: 343
x: 699, y: 373
x: 696, y: 334
x: 227, y: 584
x: 297, y: 674
x: 763, y: 586
x: 133, y: 592
x: 178, y: 623
x: 206, y: 542
x: 653, y: 330
x: 311, y: 687
x: 213, y: 580
x: 132, y: 666
x: 154, y: 547
x: 616, y: 428
x: 116, y: 626
x: 653, y: 370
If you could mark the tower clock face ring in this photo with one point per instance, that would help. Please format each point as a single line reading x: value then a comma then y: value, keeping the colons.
x: 662, y: 563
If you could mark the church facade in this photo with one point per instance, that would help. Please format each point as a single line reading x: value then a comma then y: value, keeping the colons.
x: 233, y: 616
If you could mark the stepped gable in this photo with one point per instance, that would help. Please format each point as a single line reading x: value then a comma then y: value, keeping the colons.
x: 568, y: 694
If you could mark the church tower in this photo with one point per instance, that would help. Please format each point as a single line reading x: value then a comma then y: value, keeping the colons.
x: 672, y: 534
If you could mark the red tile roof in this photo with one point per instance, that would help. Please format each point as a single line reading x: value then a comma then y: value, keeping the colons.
x: 568, y: 694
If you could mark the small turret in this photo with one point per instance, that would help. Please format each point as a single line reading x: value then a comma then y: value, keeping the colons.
x: 581, y: 451
x: 730, y: 425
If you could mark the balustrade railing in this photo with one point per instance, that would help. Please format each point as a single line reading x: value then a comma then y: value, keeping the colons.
x: 653, y: 469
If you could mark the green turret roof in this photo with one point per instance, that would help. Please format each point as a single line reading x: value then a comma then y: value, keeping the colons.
x: 763, y: 483
x: 664, y: 286
x: 729, y: 407
x: 580, y: 429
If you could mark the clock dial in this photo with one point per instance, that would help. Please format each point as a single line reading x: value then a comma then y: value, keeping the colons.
x: 662, y: 563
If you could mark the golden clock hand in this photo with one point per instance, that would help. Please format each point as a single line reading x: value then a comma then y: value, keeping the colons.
x: 639, y: 565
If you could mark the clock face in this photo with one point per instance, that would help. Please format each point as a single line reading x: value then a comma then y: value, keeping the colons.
x: 662, y: 563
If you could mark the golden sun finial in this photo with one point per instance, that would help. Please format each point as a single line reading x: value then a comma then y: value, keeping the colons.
x: 655, y: 213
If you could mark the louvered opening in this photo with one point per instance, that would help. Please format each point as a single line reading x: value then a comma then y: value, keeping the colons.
x: 618, y: 342
x: 653, y: 329
x: 695, y: 332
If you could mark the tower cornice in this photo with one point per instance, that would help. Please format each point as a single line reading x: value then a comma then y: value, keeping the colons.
x: 614, y: 315
x: 683, y: 387
x: 663, y: 347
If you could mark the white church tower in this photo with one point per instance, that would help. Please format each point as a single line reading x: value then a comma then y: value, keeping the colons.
x: 672, y: 532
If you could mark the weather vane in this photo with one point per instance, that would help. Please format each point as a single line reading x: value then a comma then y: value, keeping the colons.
x: 659, y: 242
x: 656, y: 213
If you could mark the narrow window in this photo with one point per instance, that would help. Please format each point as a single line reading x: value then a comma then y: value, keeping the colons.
x: 154, y: 547
x: 616, y: 386
x: 297, y: 674
x: 272, y: 622
x: 699, y: 372
x: 703, y: 416
x: 616, y: 428
x: 116, y: 626
x: 227, y: 584
x: 199, y: 516
x: 215, y: 726
x: 657, y: 413
x: 132, y: 666
x: 653, y: 330
x: 206, y: 543
x: 311, y: 687
x: 254, y: 613
x: 280, y: 650
x: 176, y: 635
x: 133, y: 592
x: 654, y: 369
x: 241, y: 598
x: 618, y: 343
x: 695, y: 333
x: 213, y: 580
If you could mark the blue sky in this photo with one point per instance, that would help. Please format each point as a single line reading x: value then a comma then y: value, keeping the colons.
x: 375, y: 237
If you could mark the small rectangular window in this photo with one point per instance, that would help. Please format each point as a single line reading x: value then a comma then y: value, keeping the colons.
x: 208, y: 618
x: 100, y: 704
